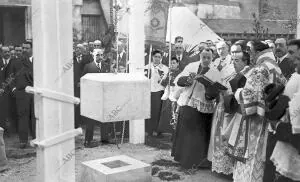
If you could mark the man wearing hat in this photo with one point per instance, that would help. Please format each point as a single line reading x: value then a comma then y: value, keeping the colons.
x: 284, y: 62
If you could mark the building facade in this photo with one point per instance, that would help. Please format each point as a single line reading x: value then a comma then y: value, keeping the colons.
x: 233, y: 19
x: 90, y: 20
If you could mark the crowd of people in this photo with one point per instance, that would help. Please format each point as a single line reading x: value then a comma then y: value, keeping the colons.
x: 229, y: 107
x: 234, y: 109
x: 17, y: 106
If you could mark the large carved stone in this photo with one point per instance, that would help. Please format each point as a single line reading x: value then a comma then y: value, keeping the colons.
x: 115, y: 169
x: 109, y: 97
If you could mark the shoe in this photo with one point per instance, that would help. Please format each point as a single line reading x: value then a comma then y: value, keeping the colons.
x: 23, y: 145
x: 91, y: 144
x: 107, y: 142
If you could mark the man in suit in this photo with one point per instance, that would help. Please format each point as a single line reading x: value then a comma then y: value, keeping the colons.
x: 284, y: 62
x: 79, y: 61
x: 182, y: 57
x: 99, y: 65
x: 23, y: 71
x: 122, y: 55
x: 19, y: 52
x: 6, y: 98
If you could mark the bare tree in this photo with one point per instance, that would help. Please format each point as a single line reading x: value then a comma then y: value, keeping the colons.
x: 258, y: 28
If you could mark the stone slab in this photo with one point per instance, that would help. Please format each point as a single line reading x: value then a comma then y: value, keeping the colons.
x: 115, y: 169
x: 109, y: 97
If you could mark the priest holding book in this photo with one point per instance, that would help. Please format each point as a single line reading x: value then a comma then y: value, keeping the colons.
x: 197, y: 102
x: 225, y: 69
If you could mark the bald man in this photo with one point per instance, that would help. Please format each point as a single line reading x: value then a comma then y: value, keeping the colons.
x: 284, y: 62
x: 99, y: 65
x: 97, y: 44
x: 223, y: 63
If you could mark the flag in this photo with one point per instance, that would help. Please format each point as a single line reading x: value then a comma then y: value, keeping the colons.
x: 156, y: 18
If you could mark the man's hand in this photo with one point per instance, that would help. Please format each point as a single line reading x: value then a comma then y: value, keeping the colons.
x: 191, y: 78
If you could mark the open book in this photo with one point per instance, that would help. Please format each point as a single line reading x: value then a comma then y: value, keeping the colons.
x: 211, y: 79
x: 209, y: 83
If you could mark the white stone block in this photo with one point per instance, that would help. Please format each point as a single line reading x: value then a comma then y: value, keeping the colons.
x: 109, y: 97
x: 115, y: 169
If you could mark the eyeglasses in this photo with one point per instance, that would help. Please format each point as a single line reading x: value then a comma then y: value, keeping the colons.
x: 99, y: 54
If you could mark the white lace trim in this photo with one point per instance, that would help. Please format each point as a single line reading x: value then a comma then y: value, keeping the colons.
x: 286, y: 160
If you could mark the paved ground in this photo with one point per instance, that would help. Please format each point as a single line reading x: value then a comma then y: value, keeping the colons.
x: 22, y: 163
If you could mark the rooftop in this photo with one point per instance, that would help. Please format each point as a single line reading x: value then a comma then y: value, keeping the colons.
x: 246, y: 26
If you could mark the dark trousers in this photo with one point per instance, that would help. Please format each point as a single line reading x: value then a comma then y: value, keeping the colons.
x: 105, y: 129
x: 151, y: 124
x: 270, y: 170
x: 4, y: 111
x: 77, y: 116
x: 26, y: 117
x: 14, y: 116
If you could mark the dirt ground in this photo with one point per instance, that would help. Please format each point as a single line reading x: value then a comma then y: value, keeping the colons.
x: 22, y: 163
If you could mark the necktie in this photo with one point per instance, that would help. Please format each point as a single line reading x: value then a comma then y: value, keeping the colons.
x: 199, y: 69
x: 220, y: 67
x: 98, y: 65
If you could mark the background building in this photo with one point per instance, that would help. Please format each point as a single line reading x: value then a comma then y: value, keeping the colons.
x: 233, y: 19
x: 89, y: 20
x: 230, y: 19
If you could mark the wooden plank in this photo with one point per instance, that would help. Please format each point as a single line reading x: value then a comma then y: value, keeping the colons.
x: 52, y: 49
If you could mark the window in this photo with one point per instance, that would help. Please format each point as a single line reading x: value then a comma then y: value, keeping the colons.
x: 93, y: 27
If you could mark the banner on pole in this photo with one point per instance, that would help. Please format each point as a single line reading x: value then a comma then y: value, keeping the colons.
x: 156, y: 19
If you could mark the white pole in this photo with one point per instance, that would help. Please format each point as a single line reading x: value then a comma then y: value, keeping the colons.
x: 136, y: 57
x: 170, y: 40
x: 52, y: 49
x: 298, y: 20
x: 149, y: 61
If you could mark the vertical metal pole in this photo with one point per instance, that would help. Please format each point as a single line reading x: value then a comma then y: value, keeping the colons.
x: 170, y: 41
x: 149, y: 62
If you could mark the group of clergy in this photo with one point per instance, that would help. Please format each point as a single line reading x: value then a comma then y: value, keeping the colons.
x: 238, y: 114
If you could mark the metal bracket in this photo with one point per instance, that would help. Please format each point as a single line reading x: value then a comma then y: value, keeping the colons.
x: 53, y: 95
x: 56, y: 139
